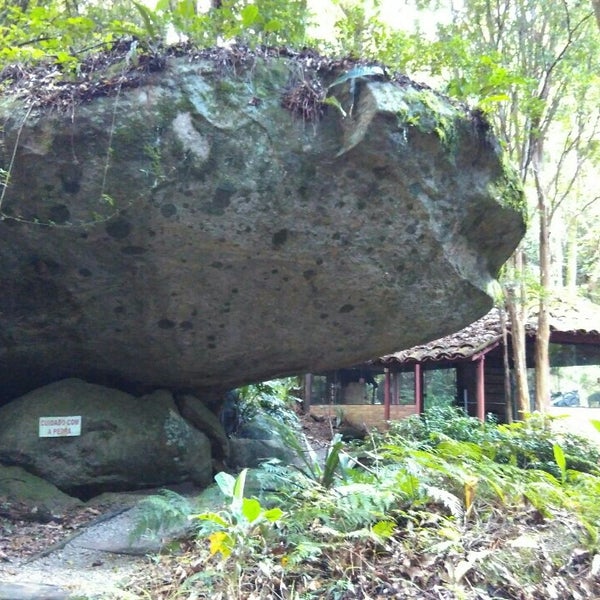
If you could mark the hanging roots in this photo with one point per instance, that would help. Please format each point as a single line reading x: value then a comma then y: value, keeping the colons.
x: 305, y: 99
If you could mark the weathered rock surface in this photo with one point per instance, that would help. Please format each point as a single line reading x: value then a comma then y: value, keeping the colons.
x: 125, y: 442
x: 193, y: 233
x: 250, y: 453
x: 201, y: 417
x: 32, y: 591
x: 27, y: 497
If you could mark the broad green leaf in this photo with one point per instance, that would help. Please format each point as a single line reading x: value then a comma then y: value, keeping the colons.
x: 146, y: 17
x: 559, y: 457
x: 273, y: 514
x: 251, y: 509
x: 226, y: 483
x: 186, y: 9
x: 333, y: 101
x: 239, y: 485
x: 272, y: 25
x: 163, y: 5
x: 249, y: 15
x: 212, y: 517
x: 384, y: 529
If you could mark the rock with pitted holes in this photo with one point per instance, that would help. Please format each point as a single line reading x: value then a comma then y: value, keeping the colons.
x: 123, y: 443
x: 199, y: 232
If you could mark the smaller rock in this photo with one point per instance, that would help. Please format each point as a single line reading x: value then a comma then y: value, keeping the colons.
x: 32, y: 591
x: 251, y: 453
x: 258, y: 427
x: 201, y: 417
x: 30, y: 498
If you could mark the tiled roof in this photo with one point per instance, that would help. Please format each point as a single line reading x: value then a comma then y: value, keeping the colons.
x: 578, y: 316
x: 574, y: 317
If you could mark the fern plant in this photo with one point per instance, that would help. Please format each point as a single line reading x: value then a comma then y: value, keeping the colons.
x: 160, y: 514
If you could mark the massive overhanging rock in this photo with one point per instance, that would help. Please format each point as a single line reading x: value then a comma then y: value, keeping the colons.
x: 207, y: 228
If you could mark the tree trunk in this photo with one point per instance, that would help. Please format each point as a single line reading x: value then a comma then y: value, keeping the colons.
x: 508, y: 400
x: 517, y: 309
x: 542, y: 340
x: 596, y: 5
x: 571, y: 256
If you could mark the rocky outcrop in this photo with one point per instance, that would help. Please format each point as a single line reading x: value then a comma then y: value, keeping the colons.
x: 194, y: 233
x: 125, y: 442
x: 27, y: 497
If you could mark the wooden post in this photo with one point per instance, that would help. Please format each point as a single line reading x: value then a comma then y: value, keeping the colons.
x: 481, y: 388
x: 386, y: 395
x: 418, y: 389
x: 307, y: 392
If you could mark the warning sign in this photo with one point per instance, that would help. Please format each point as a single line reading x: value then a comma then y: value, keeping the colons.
x: 60, y: 426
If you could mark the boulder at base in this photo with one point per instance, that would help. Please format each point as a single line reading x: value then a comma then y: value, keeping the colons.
x: 125, y: 442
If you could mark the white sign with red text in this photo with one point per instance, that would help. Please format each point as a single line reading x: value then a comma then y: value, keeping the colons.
x: 60, y: 426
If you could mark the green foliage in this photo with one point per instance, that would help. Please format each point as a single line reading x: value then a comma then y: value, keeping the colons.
x: 445, y: 421
x: 428, y: 492
x: 238, y: 529
x: 360, y: 31
x: 241, y: 532
x: 64, y: 33
x: 561, y: 461
x: 528, y: 444
x: 274, y: 398
x: 160, y: 513
x: 266, y: 22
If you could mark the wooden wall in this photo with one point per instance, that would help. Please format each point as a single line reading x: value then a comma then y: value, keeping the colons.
x: 466, y: 375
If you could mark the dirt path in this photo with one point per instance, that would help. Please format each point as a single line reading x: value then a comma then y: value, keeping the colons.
x: 96, y: 561
x: 81, y: 566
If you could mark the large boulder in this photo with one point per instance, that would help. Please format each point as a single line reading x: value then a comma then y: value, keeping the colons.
x: 218, y: 224
x: 125, y: 442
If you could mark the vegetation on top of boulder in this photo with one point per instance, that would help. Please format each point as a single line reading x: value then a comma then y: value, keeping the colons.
x: 91, y: 51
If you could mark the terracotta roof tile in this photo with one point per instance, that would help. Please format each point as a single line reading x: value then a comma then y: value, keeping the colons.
x: 575, y: 317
